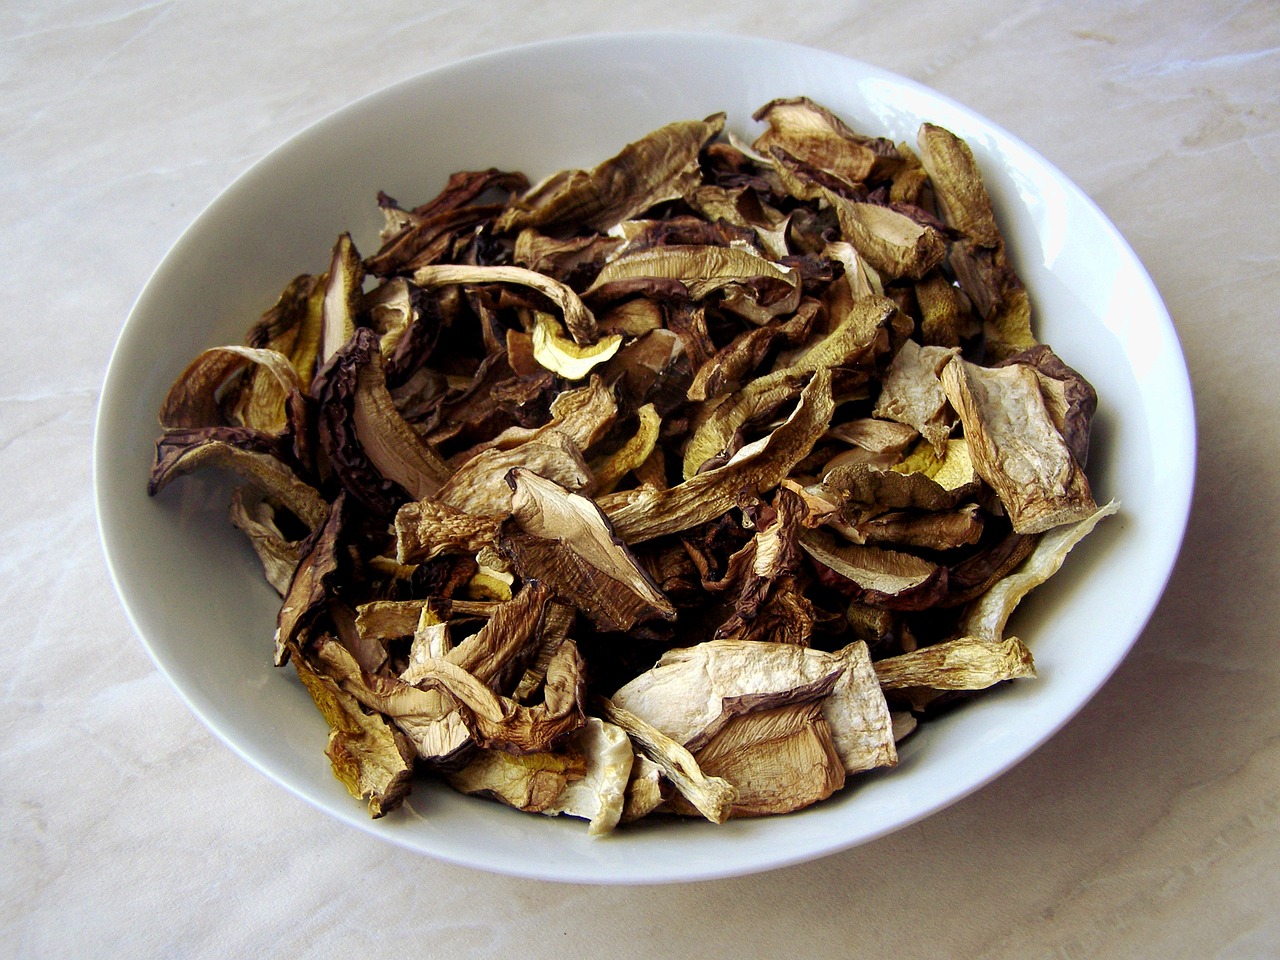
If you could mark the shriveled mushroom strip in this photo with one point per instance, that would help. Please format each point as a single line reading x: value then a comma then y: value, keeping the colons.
x: 711, y: 796
x: 591, y: 566
x: 891, y: 242
x: 389, y: 442
x: 858, y: 715
x: 502, y: 722
x: 563, y: 356
x: 577, y: 318
x: 692, y: 692
x: 990, y: 613
x: 368, y: 756
x: 647, y: 513
x: 427, y: 528
x: 1015, y: 445
x: 966, y: 663
x: 183, y: 452
x: 194, y: 398
x: 660, y: 166
x: 704, y: 270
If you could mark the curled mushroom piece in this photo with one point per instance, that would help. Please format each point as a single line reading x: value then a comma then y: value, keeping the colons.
x: 685, y: 484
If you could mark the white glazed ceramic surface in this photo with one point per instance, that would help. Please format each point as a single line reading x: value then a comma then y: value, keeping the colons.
x: 195, y: 593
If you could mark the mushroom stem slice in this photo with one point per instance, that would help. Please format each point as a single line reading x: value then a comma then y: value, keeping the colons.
x: 711, y: 796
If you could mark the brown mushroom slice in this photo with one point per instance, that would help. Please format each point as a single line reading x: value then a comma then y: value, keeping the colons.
x: 883, y: 438
x: 610, y: 471
x: 309, y: 590
x: 711, y: 796
x: 368, y: 755
x: 743, y: 207
x: 812, y: 134
x: 498, y: 721
x: 979, y: 261
x: 562, y: 257
x: 579, y: 320
x: 692, y: 692
x: 387, y: 439
x: 965, y: 663
x: 1016, y: 447
x: 487, y: 654
x: 1069, y: 397
x: 430, y: 719
x: 646, y: 513
x: 934, y: 530
x: 564, y: 357
x: 180, y: 452
x: 892, y: 243
x: 569, y: 544
x: 861, y: 725
x: 661, y: 166
x: 343, y: 293
x: 753, y: 286
x: 478, y: 486
x: 945, y: 317
x: 582, y: 414
x: 400, y: 618
x: 427, y: 528
x: 646, y: 790
x: 253, y: 514
x: 735, y: 363
x: 293, y: 326
x: 195, y: 399
x: 911, y: 392
x: 713, y: 440
x: 779, y: 760
x: 990, y: 612
x: 531, y: 782
x: 891, y: 578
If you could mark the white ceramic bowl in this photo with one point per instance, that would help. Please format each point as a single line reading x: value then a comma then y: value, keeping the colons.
x: 195, y: 594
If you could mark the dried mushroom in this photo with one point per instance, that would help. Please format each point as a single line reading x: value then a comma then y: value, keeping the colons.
x: 684, y: 485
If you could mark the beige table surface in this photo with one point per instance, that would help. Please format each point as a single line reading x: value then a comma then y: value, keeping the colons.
x: 1149, y: 827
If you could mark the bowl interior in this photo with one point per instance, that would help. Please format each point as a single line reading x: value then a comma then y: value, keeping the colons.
x: 194, y: 591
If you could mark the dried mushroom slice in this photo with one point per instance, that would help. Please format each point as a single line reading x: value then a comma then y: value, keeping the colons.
x: 647, y: 513
x: 579, y: 320
x: 692, y: 692
x: 778, y: 760
x: 253, y: 513
x: 711, y: 796
x: 965, y: 663
x: 659, y: 166
x: 754, y: 286
x: 912, y: 394
x: 427, y: 528
x: 989, y: 614
x: 586, y: 778
x: 369, y: 756
x: 1016, y: 447
x: 197, y: 398
x: 180, y: 452
x: 856, y: 711
x: 892, y: 243
x: 563, y: 356
x: 814, y: 135
x: 891, y: 578
x: 569, y: 544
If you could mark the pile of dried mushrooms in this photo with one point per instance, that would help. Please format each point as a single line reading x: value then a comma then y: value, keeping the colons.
x: 686, y: 484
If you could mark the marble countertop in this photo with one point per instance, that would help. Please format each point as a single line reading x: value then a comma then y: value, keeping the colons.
x: 1148, y: 827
